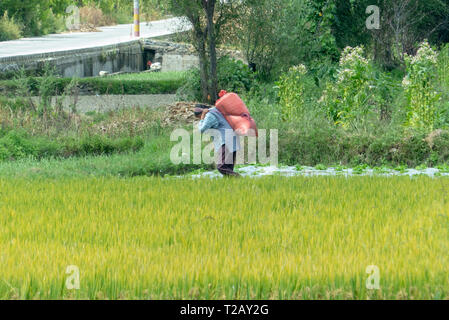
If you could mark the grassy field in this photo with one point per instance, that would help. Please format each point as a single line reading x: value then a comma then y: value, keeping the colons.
x: 291, y: 238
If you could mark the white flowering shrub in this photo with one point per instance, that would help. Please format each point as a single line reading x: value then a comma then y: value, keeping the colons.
x: 349, y: 98
x: 291, y: 92
x: 419, y: 86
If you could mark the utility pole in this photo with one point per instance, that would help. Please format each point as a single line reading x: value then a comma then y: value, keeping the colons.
x: 136, y: 19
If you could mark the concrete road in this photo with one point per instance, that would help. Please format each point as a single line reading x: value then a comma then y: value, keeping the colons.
x: 81, y: 40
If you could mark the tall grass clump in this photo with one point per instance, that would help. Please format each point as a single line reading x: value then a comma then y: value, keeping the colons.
x: 292, y: 92
x: 9, y: 28
x: 347, y: 100
x: 443, y: 88
x: 419, y: 86
x: 443, y: 66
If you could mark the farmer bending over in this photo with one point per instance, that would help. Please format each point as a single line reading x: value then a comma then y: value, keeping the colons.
x: 227, y: 145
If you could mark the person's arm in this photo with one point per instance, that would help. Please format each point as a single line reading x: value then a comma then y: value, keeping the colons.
x: 208, y: 122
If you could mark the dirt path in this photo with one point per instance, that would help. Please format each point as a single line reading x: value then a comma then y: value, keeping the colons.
x: 113, y: 102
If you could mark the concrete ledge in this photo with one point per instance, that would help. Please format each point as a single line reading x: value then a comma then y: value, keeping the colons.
x: 38, y: 56
x: 130, y: 56
x: 88, y: 62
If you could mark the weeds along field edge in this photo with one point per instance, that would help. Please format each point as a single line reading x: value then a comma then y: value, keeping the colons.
x: 267, y: 238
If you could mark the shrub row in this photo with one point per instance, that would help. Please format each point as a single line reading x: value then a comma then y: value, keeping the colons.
x: 98, y: 86
x: 325, y: 145
x: 17, y: 144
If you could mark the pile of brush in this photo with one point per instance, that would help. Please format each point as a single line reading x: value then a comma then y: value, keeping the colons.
x: 179, y: 113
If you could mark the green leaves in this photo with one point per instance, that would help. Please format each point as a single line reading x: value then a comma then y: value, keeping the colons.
x: 349, y: 99
x: 291, y: 92
x: 233, y: 76
x: 419, y: 86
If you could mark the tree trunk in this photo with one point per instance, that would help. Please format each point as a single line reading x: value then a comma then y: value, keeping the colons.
x: 200, y: 46
x: 203, y: 70
x: 213, y: 92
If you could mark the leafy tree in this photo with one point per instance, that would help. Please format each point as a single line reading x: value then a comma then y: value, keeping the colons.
x: 258, y: 33
x: 278, y: 34
x: 36, y: 16
x: 403, y: 24
x: 207, y: 18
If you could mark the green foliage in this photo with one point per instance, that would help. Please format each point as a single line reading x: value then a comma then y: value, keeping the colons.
x: 348, y: 99
x: 275, y: 35
x: 40, y: 17
x: 113, y: 86
x: 443, y: 67
x: 262, y: 101
x: 50, y: 23
x: 260, y: 24
x: 18, y: 144
x: 108, y: 85
x: 443, y: 88
x: 36, y: 16
x: 419, y: 86
x: 233, y: 76
x: 320, y: 21
x: 15, y: 145
x: 292, y: 92
x: 155, y: 76
x: 99, y: 144
x: 315, y: 141
x: 9, y: 29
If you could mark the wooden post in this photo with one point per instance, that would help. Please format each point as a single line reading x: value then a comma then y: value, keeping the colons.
x: 136, y: 19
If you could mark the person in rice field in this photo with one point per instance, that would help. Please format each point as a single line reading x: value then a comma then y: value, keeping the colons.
x: 226, y: 142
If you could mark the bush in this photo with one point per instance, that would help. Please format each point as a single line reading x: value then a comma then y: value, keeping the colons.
x: 9, y: 29
x: 17, y: 143
x: 309, y: 143
x: 443, y: 88
x: 292, y: 92
x: 419, y: 86
x: 262, y: 101
x: 347, y: 100
x: 233, y: 76
x: 91, y: 17
x: 319, y: 142
x: 440, y: 147
x: 50, y: 23
x: 443, y: 66
x: 96, y: 85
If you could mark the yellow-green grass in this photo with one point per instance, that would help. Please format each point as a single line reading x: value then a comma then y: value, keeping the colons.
x: 163, y: 76
x: 267, y: 238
